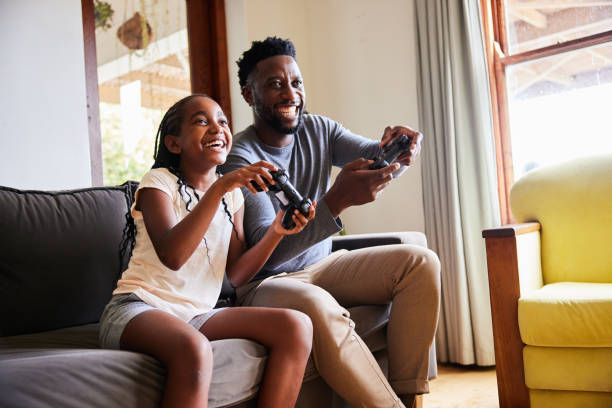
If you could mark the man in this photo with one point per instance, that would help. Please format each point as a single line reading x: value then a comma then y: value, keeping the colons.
x: 301, y: 273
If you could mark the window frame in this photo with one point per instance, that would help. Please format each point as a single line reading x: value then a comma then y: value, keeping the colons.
x: 209, y: 70
x: 498, y: 60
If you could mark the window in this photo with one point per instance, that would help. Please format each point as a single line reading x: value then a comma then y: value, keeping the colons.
x: 150, y: 54
x: 143, y: 68
x: 550, y: 65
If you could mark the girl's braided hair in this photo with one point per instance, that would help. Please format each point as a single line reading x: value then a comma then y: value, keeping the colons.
x: 170, y: 125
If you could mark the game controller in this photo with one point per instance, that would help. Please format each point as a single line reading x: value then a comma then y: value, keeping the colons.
x: 288, y: 196
x: 391, y: 151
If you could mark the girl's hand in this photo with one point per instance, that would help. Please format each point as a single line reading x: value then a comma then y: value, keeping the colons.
x: 299, y: 220
x: 242, y: 177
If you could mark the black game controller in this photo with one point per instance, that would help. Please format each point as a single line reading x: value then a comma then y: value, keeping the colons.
x: 391, y: 151
x: 290, y: 199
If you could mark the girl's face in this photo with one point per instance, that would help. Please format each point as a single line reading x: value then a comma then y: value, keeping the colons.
x: 205, y: 138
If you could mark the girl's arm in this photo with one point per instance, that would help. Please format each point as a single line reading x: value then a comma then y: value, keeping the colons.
x: 243, y: 265
x: 175, y: 241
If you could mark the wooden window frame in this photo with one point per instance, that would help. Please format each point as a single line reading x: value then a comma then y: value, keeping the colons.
x: 208, y: 60
x: 498, y: 60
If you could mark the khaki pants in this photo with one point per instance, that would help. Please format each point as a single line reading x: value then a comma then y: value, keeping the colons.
x: 407, y: 275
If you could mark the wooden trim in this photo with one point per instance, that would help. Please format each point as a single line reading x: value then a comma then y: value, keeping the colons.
x: 511, y: 230
x: 501, y: 31
x: 91, y: 91
x: 208, y: 56
x: 504, y: 141
x: 498, y: 110
x: 504, y: 289
x: 559, y: 48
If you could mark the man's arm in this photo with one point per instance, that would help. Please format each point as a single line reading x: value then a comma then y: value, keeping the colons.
x: 357, y: 185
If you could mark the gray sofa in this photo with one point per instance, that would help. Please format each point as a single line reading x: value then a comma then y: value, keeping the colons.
x: 59, y: 262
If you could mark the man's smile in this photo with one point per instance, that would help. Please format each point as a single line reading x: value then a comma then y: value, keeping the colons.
x: 288, y: 111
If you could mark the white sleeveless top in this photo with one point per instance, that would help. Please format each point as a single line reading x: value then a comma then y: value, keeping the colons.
x: 195, y: 287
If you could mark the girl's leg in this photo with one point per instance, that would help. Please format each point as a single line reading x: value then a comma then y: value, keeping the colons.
x: 288, y: 336
x: 184, y: 351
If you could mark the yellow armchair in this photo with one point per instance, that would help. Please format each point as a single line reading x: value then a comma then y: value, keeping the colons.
x: 550, y: 281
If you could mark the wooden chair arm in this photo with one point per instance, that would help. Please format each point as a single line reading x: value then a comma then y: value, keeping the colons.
x: 511, y: 230
x: 505, y: 258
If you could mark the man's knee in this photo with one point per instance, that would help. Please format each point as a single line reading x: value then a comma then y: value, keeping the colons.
x: 431, y: 266
x: 421, y: 266
x: 321, y: 307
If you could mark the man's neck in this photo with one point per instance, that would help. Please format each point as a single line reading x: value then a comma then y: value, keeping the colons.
x: 271, y: 136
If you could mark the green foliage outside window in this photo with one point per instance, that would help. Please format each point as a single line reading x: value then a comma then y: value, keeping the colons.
x: 119, y: 165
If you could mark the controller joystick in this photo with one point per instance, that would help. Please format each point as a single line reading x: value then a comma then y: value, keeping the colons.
x: 391, y: 151
x: 288, y: 196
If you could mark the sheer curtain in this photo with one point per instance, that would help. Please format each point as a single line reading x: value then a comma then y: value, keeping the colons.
x: 459, y: 176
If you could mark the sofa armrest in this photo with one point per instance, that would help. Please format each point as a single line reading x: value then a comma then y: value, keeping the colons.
x: 526, y: 237
x: 513, y: 263
x: 356, y: 241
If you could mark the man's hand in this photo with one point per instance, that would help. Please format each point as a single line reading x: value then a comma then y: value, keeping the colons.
x: 391, y: 133
x: 356, y: 185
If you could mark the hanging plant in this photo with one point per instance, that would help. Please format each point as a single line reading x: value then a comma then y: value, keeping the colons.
x: 135, y: 33
x: 103, y: 13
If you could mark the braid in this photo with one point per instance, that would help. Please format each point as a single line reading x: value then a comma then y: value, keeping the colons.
x: 129, y: 230
x: 197, y: 196
x: 229, y: 216
x: 183, y: 185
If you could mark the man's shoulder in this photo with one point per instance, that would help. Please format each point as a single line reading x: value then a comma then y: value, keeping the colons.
x: 318, y: 127
x: 242, y: 152
x: 317, y: 121
x: 244, y: 137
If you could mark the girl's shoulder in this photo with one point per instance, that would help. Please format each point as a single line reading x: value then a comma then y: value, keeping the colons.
x: 161, y: 179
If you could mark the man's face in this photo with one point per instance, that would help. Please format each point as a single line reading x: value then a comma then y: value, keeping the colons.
x: 276, y: 92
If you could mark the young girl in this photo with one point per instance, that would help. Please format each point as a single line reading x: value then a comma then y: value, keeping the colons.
x: 188, y: 234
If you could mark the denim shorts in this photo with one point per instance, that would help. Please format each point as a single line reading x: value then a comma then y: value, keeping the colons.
x: 124, y: 307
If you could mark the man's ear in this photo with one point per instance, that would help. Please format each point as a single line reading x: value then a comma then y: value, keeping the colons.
x: 172, y: 144
x: 247, y: 94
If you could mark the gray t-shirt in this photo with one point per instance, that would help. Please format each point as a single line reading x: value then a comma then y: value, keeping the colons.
x: 320, y: 144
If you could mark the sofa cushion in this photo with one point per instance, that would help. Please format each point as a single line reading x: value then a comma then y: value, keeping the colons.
x: 568, y: 368
x: 73, y: 356
x: 569, y: 399
x: 567, y: 314
x: 65, y: 368
x: 60, y: 257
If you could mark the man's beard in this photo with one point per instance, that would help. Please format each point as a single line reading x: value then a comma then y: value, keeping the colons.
x: 274, y: 122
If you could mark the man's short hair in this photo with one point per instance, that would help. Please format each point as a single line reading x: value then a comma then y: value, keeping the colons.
x: 261, y: 50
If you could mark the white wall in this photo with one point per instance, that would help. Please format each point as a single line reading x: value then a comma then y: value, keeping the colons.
x: 43, y: 120
x: 358, y: 62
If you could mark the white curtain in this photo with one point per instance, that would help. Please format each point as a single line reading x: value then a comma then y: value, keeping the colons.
x: 459, y: 176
